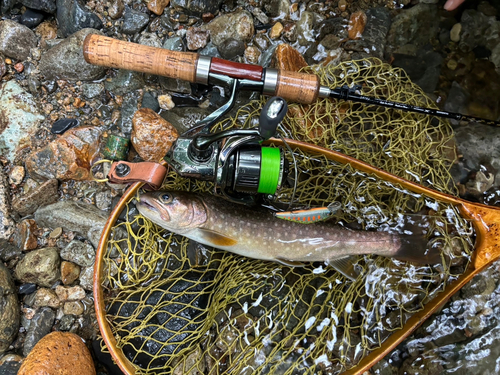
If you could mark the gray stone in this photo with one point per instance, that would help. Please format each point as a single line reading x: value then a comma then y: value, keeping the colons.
x: 19, y: 118
x: 7, y: 225
x: 423, y: 69
x: 10, y: 367
x: 80, y: 253
x: 478, y: 30
x: 277, y: 8
x: 124, y: 82
x: 8, y: 251
x: 92, y: 90
x: 48, y: 6
x: 40, y: 325
x: 174, y: 44
x: 6, y: 6
x: 237, y: 25
x: 87, y: 278
x: 9, y: 309
x: 65, y: 60
x: 305, y: 29
x: 40, y: 267
x: 150, y: 39
x: 149, y: 101
x: 66, y: 322
x: 16, y: 40
x: 72, y: 16
x: 72, y: 216
x: 230, y: 48
x: 134, y: 21
x: 210, y: 50
x: 103, y: 199
x: 35, y: 198
x: 129, y: 107
x: 198, y: 7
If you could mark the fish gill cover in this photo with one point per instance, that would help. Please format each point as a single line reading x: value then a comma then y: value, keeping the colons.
x: 177, y: 307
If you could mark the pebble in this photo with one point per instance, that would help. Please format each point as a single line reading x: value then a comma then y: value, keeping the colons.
x: 455, y: 32
x: 40, y: 196
x: 69, y: 272
x: 357, y: 24
x: 149, y: 101
x: 196, y: 7
x: 73, y: 308
x: 10, y: 364
x: 69, y: 157
x: 452, y: 64
x: 16, y: 40
x: 61, y: 125
x: 47, y: 31
x: 40, y: 325
x: 40, y: 267
x: 9, y: 309
x: 158, y: 6
x: 3, y: 68
x: 7, y: 225
x: 237, y: 25
x: 196, y: 38
x: 73, y: 66
x: 87, y: 278
x: 125, y: 81
x: 134, y: 21
x: 73, y: 16
x: 70, y: 293
x: 62, y: 350
x: 25, y: 235
x: 48, y: 6
x: 276, y: 30
x: 146, y: 122
x: 116, y: 9
x: 16, y: 175
x: 45, y: 297
x: 342, y: 5
x: 150, y: 39
x: 230, y: 48
x: 79, y: 252
x: 31, y: 18
x: 66, y: 322
x: 92, y: 90
x: 252, y: 54
x: 165, y: 102
x: 8, y: 251
x: 56, y: 233
x: 27, y: 288
x: 103, y: 200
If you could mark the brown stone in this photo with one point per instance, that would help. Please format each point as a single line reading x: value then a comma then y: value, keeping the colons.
x: 357, y: 24
x: 46, y: 297
x: 147, y: 123
x: 69, y: 272
x: 116, y: 9
x: 43, y: 195
x: 288, y: 58
x: 24, y: 236
x: 196, y: 38
x: 73, y: 308
x: 60, y: 353
x: 252, y: 54
x: 276, y: 30
x: 67, y: 158
x: 70, y: 293
x: 158, y: 6
x: 342, y: 5
x: 46, y: 30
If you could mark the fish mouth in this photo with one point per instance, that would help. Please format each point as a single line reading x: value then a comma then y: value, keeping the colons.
x: 145, y: 203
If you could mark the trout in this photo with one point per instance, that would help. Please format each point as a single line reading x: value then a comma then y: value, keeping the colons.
x: 257, y: 233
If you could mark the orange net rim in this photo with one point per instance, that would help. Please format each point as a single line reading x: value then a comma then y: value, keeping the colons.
x: 486, y: 221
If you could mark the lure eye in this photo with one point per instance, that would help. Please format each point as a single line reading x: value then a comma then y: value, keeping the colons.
x: 166, y: 198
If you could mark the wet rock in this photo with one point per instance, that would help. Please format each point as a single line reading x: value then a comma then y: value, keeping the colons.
x: 9, y: 309
x: 73, y: 16
x: 455, y: 32
x: 41, y: 196
x: 166, y: 102
x: 230, y: 48
x: 10, y: 364
x: 45, y: 297
x: 129, y: 107
x: 25, y: 235
x: 7, y: 225
x: 252, y: 54
x: 423, y: 69
x: 196, y: 38
x: 72, y: 216
x: 277, y: 8
x: 145, y: 123
x: 68, y: 157
x: 48, y: 6
x: 103, y: 200
x: 16, y: 40
x: 198, y: 7
x: 478, y: 30
x: 8, y: 251
x: 73, y: 308
x: 31, y: 18
x: 40, y: 267
x: 79, y: 252
x: 288, y: 58
x: 149, y: 101
x: 16, y: 175
x: 87, y: 278
x: 174, y: 44
x: 3, y: 68
x: 66, y: 322
x: 70, y: 294
x: 158, y: 6
x: 171, y: 84
x: 357, y: 24
x: 415, y: 26
x: 210, y: 50
x: 19, y: 118
x: 305, y: 29
x: 92, y: 90
x: 61, y: 125
x: 276, y: 30
x: 27, y: 288
x: 150, y: 39
x: 65, y: 60
x: 134, y: 21
x: 69, y: 272
x: 125, y: 81
x: 47, y: 31
x: 237, y: 25
x: 116, y: 9
x: 190, y: 364
x: 6, y: 6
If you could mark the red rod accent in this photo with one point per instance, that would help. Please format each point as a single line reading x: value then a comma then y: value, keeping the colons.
x: 236, y: 70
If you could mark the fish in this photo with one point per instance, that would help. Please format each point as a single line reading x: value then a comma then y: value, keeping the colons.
x: 255, y: 232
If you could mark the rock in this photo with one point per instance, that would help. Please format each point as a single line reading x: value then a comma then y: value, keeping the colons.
x: 260, y: 15
x: 9, y: 309
x: 3, y: 68
x: 87, y: 278
x: 40, y: 267
x: 70, y: 293
x: 455, y: 32
x: 16, y: 40
x: 16, y: 175
x: 196, y: 38
x: 79, y: 252
x: 61, y: 125
x: 237, y: 25
x: 305, y: 29
x: 149, y: 101
x: 423, y: 69
x: 190, y: 364
x: 7, y: 225
x: 19, y: 118
x: 134, y: 21
x: 252, y: 54
x: 68, y: 157
x: 8, y: 251
x: 210, y: 50
x: 145, y: 123
x: 66, y: 322
x: 45, y: 297
x: 10, y: 364
x: 48, y: 6
x: 198, y: 7
x: 31, y: 19
x: 165, y: 102
x: 342, y: 5
x: 92, y: 90
x: 116, y: 9
x: 276, y: 30
x: 150, y: 39
x: 288, y: 58
x: 65, y: 60
x: 27, y: 288
x: 73, y: 16
x: 415, y: 26
x: 174, y: 44
x: 6, y: 6
x: 69, y: 272
x: 230, y: 48
x: 47, y: 31
x: 73, y: 308
x: 277, y: 8
x: 103, y: 200
x: 41, y: 196
x: 24, y: 237
x: 357, y: 24
x: 125, y: 81
x: 158, y: 6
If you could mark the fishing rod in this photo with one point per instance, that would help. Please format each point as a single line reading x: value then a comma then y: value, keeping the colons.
x: 293, y: 86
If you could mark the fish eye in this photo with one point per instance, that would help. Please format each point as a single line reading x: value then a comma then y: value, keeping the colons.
x: 166, y: 198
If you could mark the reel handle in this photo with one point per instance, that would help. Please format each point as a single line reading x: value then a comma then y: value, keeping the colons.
x: 271, y: 115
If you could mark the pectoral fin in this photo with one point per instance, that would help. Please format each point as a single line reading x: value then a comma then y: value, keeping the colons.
x: 290, y: 263
x: 216, y: 239
x: 345, y: 266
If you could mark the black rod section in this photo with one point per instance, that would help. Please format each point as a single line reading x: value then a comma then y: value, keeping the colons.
x: 346, y: 93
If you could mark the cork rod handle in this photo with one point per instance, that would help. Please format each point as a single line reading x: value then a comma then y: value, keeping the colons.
x: 114, y: 53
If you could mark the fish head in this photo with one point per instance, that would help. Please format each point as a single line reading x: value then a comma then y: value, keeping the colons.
x: 178, y: 212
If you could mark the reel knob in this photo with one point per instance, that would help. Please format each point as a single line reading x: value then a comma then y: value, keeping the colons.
x: 272, y: 114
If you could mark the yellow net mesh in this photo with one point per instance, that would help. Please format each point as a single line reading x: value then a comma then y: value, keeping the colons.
x: 176, y: 307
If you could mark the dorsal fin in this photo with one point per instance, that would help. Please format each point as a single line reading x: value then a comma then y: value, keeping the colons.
x: 216, y: 239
